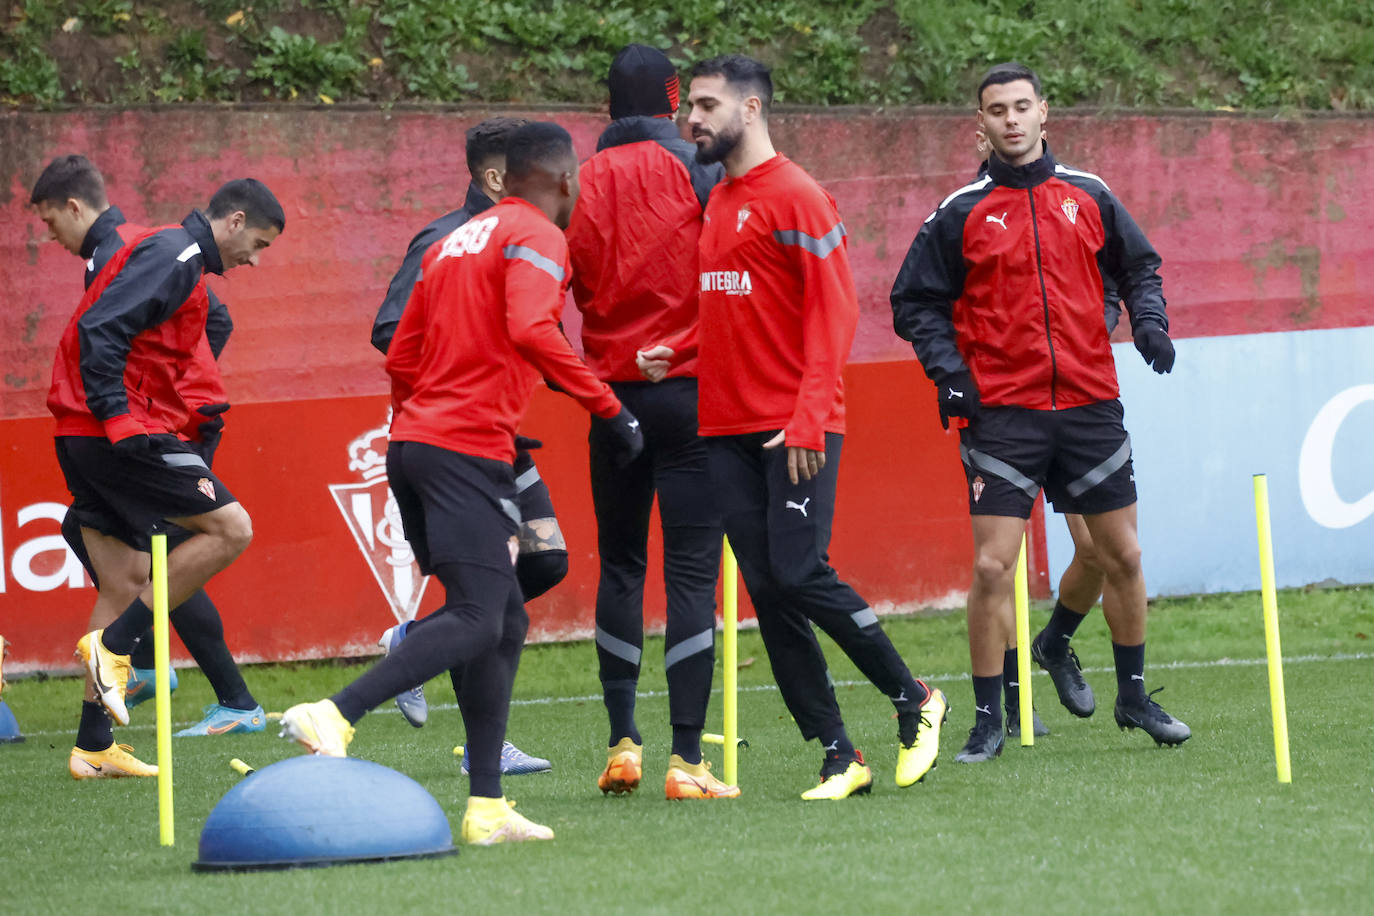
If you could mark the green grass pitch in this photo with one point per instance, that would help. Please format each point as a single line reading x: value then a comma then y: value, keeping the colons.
x: 1089, y: 820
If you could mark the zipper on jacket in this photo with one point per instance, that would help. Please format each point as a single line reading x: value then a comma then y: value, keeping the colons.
x: 1044, y: 299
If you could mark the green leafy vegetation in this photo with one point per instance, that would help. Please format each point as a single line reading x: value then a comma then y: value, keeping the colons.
x: 1208, y: 54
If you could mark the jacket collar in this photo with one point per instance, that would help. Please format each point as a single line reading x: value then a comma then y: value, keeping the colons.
x: 199, y: 229
x: 104, y: 226
x: 477, y: 200
x: 1022, y: 176
x: 637, y: 129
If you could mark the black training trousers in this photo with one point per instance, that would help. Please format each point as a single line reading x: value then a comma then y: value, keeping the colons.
x: 673, y: 466
x: 464, y: 509
x: 780, y: 533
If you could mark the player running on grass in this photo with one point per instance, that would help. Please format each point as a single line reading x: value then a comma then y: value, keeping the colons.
x: 1001, y: 296
x: 633, y: 243
x: 543, y: 560
x: 777, y: 317
x: 70, y: 198
x: 481, y: 327
x: 118, y: 403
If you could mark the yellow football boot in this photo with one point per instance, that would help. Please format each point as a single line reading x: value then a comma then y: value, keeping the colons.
x: 109, y: 671
x: 489, y: 821
x: 919, y: 748
x: 319, y: 727
x: 113, y: 762
x: 854, y: 779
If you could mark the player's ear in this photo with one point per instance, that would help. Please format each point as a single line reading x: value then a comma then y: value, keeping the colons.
x: 494, y: 179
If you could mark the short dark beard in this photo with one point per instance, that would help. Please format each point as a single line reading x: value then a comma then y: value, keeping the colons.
x: 726, y: 143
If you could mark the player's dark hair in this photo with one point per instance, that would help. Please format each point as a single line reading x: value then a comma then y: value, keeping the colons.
x: 487, y: 141
x: 1009, y: 72
x: 68, y: 177
x: 536, y: 146
x: 744, y: 74
x: 259, y: 205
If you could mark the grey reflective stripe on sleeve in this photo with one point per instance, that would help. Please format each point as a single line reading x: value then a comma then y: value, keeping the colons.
x: 184, y: 460
x: 1102, y: 471
x: 820, y: 247
x: 512, y: 510
x: 189, y: 252
x: 702, y: 642
x: 1000, y: 468
x: 527, y: 480
x: 521, y: 253
x: 864, y: 618
x: 617, y: 647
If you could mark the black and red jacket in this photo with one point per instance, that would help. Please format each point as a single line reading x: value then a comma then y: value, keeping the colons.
x: 1005, y: 280
x: 135, y: 335
x: 202, y: 386
x: 633, y: 243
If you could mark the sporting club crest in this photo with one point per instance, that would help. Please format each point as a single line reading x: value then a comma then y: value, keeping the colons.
x: 742, y: 217
x: 1070, y: 208
x: 370, y: 511
x: 978, y: 486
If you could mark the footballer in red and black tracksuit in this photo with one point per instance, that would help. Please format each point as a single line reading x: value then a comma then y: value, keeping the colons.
x: 196, y: 620
x: 116, y: 377
x: 778, y: 312
x: 543, y: 559
x: 479, y: 330
x: 633, y: 244
x: 1002, y: 292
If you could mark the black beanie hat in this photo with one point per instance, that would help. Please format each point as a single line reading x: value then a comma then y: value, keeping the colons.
x: 643, y: 82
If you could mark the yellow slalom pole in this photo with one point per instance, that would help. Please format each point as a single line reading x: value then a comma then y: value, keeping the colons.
x: 162, y: 693
x: 1277, y: 705
x: 730, y: 650
x: 1023, y: 659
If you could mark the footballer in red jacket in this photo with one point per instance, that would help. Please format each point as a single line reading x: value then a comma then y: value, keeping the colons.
x: 1001, y: 296
x: 633, y: 241
x: 778, y: 312
x: 116, y: 398
x: 480, y: 329
x: 70, y: 197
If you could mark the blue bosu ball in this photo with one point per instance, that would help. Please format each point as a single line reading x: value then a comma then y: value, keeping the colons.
x: 322, y: 811
x: 9, y: 725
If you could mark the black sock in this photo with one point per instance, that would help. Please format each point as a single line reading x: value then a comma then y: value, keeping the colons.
x: 987, y: 699
x: 96, y: 731
x: 1011, y: 685
x: 198, y: 623
x: 142, y: 656
x: 122, y: 634
x: 687, y: 743
x: 619, y: 697
x: 836, y: 744
x: 1130, y: 670
x: 1063, y: 624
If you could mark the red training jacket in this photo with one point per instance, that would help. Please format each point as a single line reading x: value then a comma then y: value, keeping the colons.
x: 133, y: 337
x: 778, y: 308
x: 480, y: 328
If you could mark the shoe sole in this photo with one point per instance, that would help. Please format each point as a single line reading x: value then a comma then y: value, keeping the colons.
x: 864, y: 789
x: 119, y: 713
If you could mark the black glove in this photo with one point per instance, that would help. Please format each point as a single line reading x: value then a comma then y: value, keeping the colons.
x: 957, y: 396
x: 1154, y: 344
x: 133, y: 446
x: 625, y: 429
x: 525, y: 443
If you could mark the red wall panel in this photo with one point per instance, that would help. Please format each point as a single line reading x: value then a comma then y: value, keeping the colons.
x: 1263, y: 224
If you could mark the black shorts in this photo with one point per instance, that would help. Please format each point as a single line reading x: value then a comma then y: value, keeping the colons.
x: 128, y: 497
x: 1080, y: 456
x: 454, y: 507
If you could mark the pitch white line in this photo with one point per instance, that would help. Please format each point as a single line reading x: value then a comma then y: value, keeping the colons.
x: 389, y: 709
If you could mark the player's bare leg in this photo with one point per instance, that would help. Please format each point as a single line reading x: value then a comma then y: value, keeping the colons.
x: 991, y: 627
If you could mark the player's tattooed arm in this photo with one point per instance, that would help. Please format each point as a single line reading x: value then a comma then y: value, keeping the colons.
x: 539, y: 534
